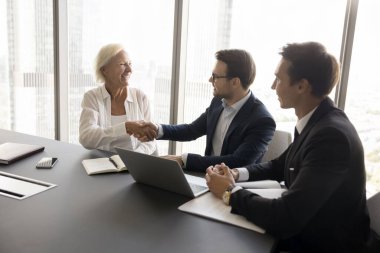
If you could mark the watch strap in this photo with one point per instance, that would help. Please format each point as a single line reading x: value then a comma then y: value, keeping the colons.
x: 227, y: 194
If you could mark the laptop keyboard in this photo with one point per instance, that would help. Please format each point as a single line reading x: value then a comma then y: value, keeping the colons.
x: 197, y: 188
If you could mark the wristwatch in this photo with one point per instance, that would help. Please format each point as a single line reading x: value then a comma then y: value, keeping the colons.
x: 227, y: 194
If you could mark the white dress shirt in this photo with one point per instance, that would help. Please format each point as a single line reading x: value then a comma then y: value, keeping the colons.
x: 301, y: 123
x: 98, y: 129
x: 228, y: 114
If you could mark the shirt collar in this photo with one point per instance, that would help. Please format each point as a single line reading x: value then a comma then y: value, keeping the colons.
x: 301, y: 123
x: 239, y: 104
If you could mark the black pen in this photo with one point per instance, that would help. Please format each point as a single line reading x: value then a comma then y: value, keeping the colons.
x: 113, y: 162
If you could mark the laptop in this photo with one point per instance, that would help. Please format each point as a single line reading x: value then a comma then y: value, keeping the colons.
x: 161, y: 173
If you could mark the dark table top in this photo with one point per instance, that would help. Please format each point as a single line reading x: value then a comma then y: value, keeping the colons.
x: 105, y: 213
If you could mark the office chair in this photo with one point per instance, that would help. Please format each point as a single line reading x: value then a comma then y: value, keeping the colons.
x: 280, y: 142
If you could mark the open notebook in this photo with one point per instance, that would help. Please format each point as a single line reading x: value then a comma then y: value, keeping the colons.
x: 103, y: 165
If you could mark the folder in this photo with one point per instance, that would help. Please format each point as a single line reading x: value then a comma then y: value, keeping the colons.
x: 11, y: 152
x: 211, y: 207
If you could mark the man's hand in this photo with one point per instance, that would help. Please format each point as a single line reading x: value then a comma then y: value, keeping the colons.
x: 176, y: 158
x: 218, y: 179
x: 143, y: 131
x: 218, y: 169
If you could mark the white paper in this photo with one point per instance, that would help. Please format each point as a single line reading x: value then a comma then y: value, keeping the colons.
x: 211, y: 207
x: 262, y: 184
x: 268, y: 193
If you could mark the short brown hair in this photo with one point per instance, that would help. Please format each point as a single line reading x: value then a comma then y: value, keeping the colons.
x: 239, y: 64
x: 311, y: 61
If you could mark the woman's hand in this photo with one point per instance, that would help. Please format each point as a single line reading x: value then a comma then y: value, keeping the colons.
x: 144, y: 131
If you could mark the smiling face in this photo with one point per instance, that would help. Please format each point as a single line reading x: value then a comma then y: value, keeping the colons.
x: 286, y: 91
x: 118, y: 70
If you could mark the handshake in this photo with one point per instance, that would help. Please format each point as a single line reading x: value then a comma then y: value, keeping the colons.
x: 142, y: 130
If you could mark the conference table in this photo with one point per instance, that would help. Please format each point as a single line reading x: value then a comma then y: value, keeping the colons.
x: 105, y: 212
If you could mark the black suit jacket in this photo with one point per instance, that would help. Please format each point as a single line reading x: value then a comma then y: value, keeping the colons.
x: 324, y: 209
x: 245, y: 142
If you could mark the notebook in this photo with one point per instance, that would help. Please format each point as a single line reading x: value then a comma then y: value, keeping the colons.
x: 103, y: 165
x: 161, y: 173
x: 10, y: 151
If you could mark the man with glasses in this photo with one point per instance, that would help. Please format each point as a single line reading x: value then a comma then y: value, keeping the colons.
x: 238, y: 127
x: 324, y: 208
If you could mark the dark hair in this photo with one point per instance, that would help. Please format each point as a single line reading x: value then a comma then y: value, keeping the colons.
x: 312, y: 62
x: 239, y: 64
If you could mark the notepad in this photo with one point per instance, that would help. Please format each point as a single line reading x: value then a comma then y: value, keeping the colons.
x: 211, y: 207
x: 11, y: 152
x: 104, y: 165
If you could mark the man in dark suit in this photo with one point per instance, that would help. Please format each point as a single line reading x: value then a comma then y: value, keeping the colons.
x: 238, y: 127
x: 324, y: 208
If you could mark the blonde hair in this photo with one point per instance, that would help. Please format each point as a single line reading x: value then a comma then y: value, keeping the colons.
x: 104, y: 56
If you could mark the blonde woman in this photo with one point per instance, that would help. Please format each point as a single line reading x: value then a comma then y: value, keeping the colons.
x: 112, y: 111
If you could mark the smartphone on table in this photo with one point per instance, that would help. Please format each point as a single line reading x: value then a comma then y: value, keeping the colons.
x: 46, y: 163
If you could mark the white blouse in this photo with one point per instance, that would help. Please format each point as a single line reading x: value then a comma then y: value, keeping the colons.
x: 96, y: 130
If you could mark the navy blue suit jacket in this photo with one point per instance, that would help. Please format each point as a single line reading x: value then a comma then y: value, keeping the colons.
x: 324, y: 209
x: 245, y: 142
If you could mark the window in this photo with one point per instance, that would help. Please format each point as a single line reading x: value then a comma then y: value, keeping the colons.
x: 145, y: 27
x: 262, y: 28
x: 27, y: 67
x: 363, y: 92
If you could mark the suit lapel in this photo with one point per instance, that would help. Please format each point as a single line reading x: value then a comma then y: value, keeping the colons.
x: 214, y: 117
x: 241, y: 117
x: 322, y: 109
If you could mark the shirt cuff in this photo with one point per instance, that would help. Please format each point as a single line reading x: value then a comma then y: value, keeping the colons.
x: 119, y: 129
x: 160, y: 131
x: 243, y: 174
x: 236, y: 188
x: 184, y: 159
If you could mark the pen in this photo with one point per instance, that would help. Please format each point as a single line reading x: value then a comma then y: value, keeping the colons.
x: 113, y: 162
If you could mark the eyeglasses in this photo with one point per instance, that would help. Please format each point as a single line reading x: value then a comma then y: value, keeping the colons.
x: 214, y: 77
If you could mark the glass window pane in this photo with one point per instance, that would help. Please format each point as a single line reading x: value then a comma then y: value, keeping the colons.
x: 262, y: 28
x: 145, y: 27
x: 363, y: 93
x: 27, y: 67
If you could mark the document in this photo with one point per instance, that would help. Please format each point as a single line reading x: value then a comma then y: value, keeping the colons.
x: 261, y: 184
x: 11, y: 152
x: 104, y: 165
x: 211, y: 207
